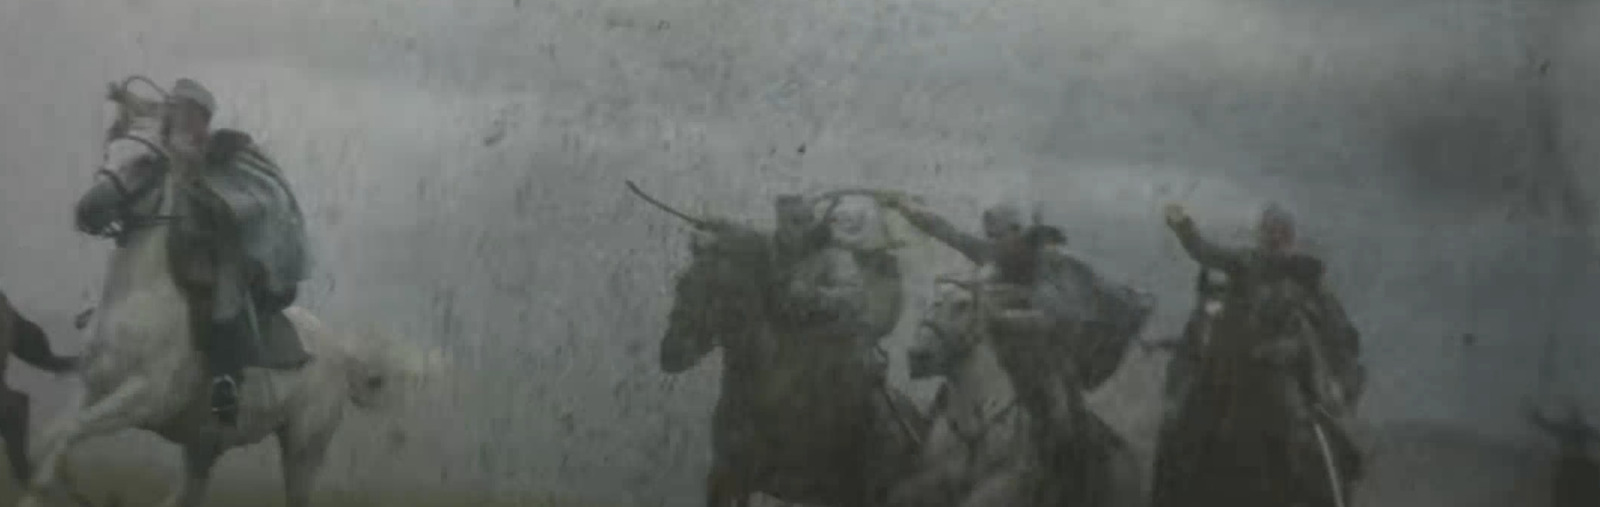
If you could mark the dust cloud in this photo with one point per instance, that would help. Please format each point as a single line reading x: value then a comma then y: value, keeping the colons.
x: 462, y: 164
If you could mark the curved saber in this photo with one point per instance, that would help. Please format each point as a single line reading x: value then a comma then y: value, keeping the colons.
x: 697, y: 223
x: 1335, y: 481
x: 864, y: 192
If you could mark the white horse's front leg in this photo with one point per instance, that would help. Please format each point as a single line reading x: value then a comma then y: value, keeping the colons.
x: 197, y: 463
x: 301, y: 454
x: 124, y: 408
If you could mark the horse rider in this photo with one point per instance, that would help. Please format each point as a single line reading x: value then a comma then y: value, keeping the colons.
x: 1281, y: 293
x: 1039, y: 303
x: 1105, y: 314
x: 842, y: 296
x: 239, y: 249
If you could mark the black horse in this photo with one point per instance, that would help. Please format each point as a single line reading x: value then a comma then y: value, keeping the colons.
x: 796, y: 418
x: 1241, y: 434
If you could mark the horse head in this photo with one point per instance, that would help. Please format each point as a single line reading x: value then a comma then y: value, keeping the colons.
x: 132, y: 166
x: 719, y: 296
x: 948, y: 329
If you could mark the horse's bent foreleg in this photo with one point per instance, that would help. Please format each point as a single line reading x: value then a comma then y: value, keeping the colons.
x: 124, y: 408
x: 198, y: 461
x: 301, y: 453
x: 14, y: 408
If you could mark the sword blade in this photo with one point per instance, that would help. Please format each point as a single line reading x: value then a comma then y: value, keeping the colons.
x: 696, y: 222
x: 1335, y: 481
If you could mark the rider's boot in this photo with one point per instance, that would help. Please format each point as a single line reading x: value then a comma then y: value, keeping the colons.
x: 223, y: 355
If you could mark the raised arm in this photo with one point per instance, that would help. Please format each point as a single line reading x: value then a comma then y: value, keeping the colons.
x: 1199, y: 248
x: 973, y: 247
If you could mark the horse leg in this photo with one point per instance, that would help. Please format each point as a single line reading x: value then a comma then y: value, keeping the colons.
x: 14, y: 408
x: 301, y: 453
x: 124, y: 408
x: 198, y: 461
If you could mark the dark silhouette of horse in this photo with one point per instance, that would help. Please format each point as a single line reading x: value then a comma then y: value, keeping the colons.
x: 1237, y: 436
x: 795, y: 419
x: 24, y: 339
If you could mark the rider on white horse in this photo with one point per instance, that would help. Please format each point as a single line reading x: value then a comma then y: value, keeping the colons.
x: 1088, y: 314
x: 239, y: 247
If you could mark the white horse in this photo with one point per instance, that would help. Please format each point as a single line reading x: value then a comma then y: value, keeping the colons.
x: 983, y: 449
x: 141, y: 368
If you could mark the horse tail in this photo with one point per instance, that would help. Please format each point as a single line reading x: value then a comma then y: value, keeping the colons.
x: 33, y: 347
x: 384, y: 369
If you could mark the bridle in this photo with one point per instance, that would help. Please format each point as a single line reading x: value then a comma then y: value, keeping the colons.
x: 127, y: 220
x: 972, y: 331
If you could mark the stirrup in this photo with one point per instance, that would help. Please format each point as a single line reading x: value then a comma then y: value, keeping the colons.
x: 227, y: 408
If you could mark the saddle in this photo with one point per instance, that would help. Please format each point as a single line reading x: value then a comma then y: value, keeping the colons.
x: 273, y: 342
x: 277, y: 345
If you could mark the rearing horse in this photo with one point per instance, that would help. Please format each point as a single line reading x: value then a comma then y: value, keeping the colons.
x: 141, y: 368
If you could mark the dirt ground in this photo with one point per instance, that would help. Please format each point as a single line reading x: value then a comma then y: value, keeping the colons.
x: 126, y: 486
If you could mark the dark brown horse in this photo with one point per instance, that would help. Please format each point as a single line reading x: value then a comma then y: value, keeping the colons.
x: 24, y: 339
x: 797, y: 420
x: 1239, y: 437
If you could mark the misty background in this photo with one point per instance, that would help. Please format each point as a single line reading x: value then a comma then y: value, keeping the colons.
x: 462, y: 167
